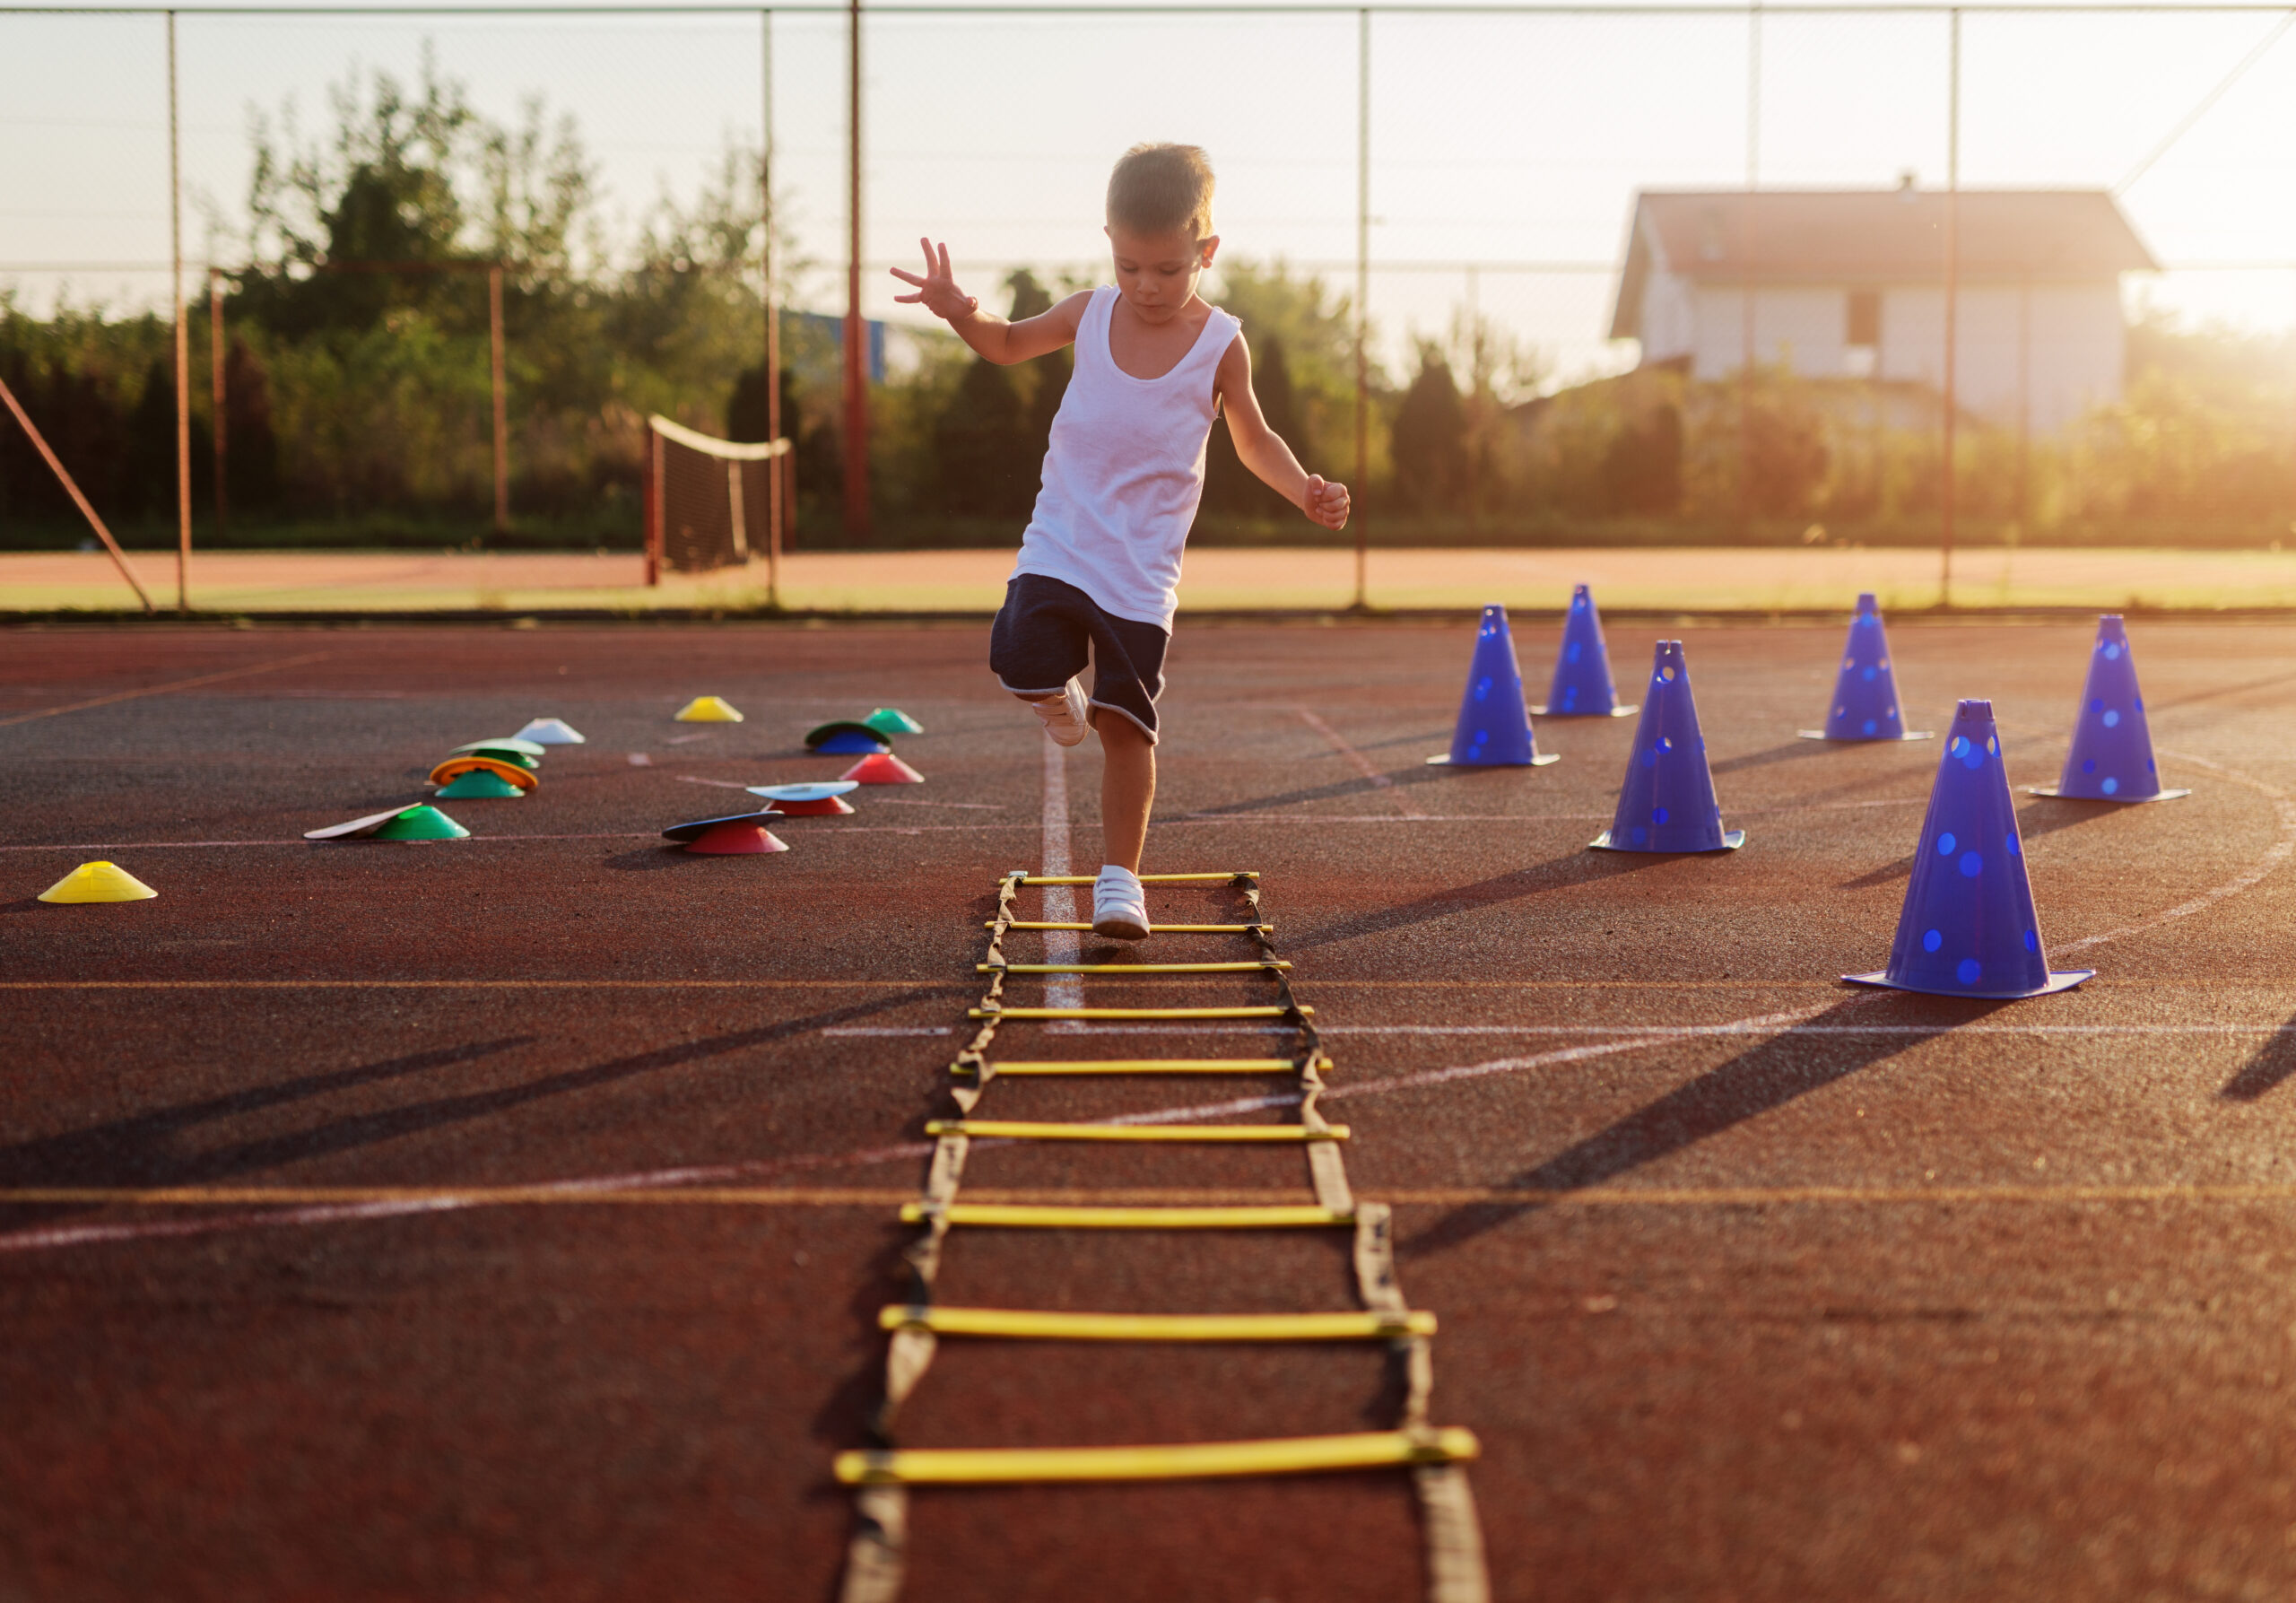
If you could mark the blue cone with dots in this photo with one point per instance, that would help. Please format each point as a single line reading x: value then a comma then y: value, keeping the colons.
x: 1865, y: 705
x: 2111, y: 758
x: 1582, y: 684
x: 1494, y: 729
x: 1969, y: 927
x: 1667, y: 802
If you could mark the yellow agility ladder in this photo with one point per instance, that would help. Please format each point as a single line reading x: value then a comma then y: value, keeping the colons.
x: 1436, y: 1458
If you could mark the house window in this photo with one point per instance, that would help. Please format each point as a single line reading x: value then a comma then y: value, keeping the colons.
x: 1863, y: 339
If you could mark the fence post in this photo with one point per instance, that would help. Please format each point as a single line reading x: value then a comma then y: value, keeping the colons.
x: 502, y: 402
x: 1749, y: 237
x: 183, y: 335
x: 1945, y: 475
x: 857, y: 331
x: 215, y: 384
x: 1362, y: 300
x: 777, y: 465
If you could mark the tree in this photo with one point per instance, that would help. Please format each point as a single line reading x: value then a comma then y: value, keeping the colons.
x: 1430, y: 434
x: 1228, y: 486
x: 989, y: 441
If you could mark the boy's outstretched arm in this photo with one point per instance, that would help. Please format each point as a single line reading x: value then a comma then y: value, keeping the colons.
x: 991, y: 337
x: 1262, y: 450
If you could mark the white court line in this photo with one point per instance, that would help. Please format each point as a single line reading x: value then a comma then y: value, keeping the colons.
x: 1357, y: 760
x: 2273, y: 858
x: 1060, y: 946
x: 887, y: 1029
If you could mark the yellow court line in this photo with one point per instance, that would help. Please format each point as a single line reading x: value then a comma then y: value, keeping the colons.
x: 131, y: 695
x: 1026, y: 1216
x: 1153, y: 1201
x: 1014, y: 1130
x: 1369, y: 1450
x: 1142, y: 1066
x: 1129, y: 968
x: 1152, y: 928
x: 938, y: 985
x: 1145, y: 879
x: 1045, y: 1013
x: 1032, y: 1324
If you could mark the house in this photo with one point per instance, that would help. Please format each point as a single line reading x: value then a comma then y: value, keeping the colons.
x: 1850, y: 284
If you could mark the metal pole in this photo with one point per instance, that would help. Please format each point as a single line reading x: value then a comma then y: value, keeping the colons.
x: 183, y: 335
x: 857, y: 331
x: 1945, y: 479
x: 1362, y: 300
x: 40, y: 444
x: 1748, y: 235
x: 502, y: 401
x: 775, y: 466
x: 215, y: 381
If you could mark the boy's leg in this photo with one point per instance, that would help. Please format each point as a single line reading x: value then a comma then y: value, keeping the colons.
x: 1127, y: 790
x: 1038, y: 641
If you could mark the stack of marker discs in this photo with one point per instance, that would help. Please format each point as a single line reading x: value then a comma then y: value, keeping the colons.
x: 499, y: 769
x: 869, y: 738
x: 741, y: 835
x: 400, y: 824
x: 807, y: 801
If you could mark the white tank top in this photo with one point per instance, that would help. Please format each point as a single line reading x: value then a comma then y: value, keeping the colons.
x: 1123, y: 472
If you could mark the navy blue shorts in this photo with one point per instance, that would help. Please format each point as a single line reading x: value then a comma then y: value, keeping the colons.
x: 1046, y: 629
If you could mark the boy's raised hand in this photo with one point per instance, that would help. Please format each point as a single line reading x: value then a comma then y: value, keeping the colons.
x: 937, y: 291
x: 1326, y: 501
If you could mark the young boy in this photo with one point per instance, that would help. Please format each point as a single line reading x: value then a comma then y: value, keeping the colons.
x: 1099, y: 565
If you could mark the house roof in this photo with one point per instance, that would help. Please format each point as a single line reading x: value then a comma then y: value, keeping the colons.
x: 1871, y: 237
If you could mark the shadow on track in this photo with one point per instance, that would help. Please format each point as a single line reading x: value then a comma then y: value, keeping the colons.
x: 1762, y: 1078
x: 2274, y: 1062
x: 1583, y: 867
x: 1792, y: 749
x: 1397, y: 780
x: 141, y: 1150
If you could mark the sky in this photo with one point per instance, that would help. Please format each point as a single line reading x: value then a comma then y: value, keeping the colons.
x: 1512, y: 143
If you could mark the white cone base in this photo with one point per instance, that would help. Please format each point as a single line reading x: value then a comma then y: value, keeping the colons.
x: 1443, y: 760
x: 1867, y: 739
x: 1622, y: 711
x: 2057, y: 980
x: 1731, y: 840
x: 2052, y: 792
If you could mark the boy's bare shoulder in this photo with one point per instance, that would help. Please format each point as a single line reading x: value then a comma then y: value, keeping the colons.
x: 1069, y: 310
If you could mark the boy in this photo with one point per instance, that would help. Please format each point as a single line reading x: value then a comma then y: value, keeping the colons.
x: 1100, y: 565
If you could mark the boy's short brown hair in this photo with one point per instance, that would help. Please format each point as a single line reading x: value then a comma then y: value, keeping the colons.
x: 1159, y: 188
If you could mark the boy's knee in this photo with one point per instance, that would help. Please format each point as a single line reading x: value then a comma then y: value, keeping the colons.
x: 1118, y: 730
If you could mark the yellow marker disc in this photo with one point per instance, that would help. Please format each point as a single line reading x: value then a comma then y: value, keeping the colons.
x: 98, y: 882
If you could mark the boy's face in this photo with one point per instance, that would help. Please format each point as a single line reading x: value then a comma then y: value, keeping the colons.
x: 1157, y: 272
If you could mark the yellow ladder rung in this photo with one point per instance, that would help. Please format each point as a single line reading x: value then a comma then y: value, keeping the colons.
x: 1145, y: 879
x: 1041, y: 1013
x: 1014, y: 1130
x: 1129, y: 968
x: 1152, y: 928
x: 1062, y: 1216
x: 1294, y: 1455
x: 1028, y: 1324
x: 1145, y: 1066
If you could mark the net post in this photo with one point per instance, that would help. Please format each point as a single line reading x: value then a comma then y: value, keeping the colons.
x: 182, y: 335
x: 501, y: 405
x: 215, y: 379
x: 650, y: 493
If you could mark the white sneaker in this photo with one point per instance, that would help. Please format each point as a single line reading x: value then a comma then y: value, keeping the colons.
x: 1120, y: 906
x: 1067, y: 717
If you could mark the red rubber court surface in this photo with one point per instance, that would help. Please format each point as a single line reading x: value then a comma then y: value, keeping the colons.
x: 1753, y: 1286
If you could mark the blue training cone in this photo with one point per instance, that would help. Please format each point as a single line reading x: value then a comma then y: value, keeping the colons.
x: 1865, y: 693
x: 2111, y: 758
x: 1494, y: 730
x: 1582, y: 686
x: 1968, y: 928
x: 1667, y: 801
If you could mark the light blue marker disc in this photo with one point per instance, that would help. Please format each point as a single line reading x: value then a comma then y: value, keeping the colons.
x: 820, y: 791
